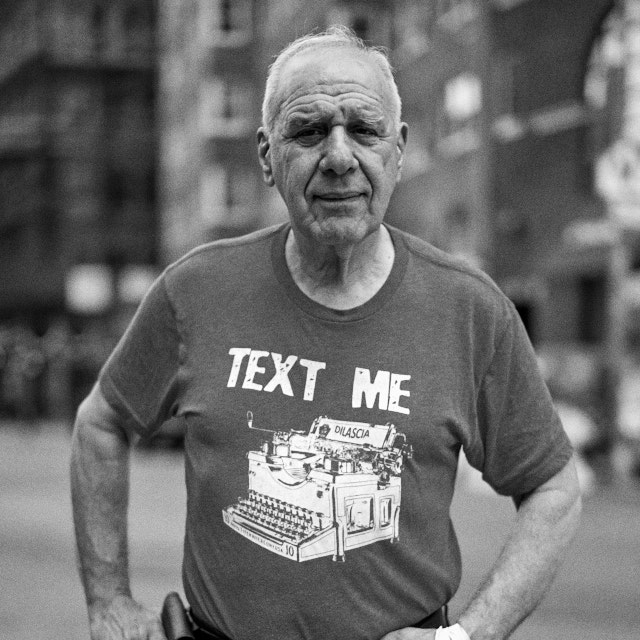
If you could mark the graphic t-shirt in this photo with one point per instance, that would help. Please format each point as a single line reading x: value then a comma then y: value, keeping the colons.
x: 322, y: 445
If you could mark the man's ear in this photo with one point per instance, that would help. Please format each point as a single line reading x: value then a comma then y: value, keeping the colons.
x: 402, y: 145
x: 264, y: 156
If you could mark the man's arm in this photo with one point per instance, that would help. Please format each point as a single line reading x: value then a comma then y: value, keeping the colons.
x: 545, y: 524
x: 100, y: 495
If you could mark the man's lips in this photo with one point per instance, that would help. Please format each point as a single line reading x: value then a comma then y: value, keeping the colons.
x: 338, y: 196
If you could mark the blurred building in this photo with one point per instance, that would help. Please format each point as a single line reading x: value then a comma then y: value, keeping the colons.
x: 78, y: 223
x: 514, y: 102
x: 127, y: 136
x: 208, y: 110
x: 77, y: 151
x: 505, y: 131
x: 508, y: 140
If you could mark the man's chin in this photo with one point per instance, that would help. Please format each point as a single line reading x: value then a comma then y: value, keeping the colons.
x: 343, y: 230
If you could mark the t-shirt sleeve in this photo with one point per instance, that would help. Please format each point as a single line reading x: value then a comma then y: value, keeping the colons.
x: 523, y: 443
x: 139, y: 379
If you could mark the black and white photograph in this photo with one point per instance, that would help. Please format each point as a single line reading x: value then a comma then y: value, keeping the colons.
x: 319, y: 319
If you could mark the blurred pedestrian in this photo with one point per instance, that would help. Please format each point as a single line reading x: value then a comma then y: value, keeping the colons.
x: 22, y: 367
x: 398, y: 354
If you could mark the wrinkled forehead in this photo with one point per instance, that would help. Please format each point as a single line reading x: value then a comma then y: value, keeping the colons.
x: 337, y: 73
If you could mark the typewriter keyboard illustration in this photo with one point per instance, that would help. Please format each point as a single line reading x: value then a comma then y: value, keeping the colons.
x: 288, y: 520
x: 324, y: 492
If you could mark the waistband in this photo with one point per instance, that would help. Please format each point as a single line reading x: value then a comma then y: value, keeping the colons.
x: 439, y: 618
x: 203, y: 631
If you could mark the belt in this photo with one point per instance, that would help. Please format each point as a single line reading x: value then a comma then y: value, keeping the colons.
x: 438, y: 618
x: 205, y: 632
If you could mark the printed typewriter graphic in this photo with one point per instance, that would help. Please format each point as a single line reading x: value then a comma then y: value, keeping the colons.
x: 324, y: 492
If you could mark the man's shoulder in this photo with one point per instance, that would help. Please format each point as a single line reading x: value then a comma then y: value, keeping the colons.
x: 453, y: 268
x: 224, y: 251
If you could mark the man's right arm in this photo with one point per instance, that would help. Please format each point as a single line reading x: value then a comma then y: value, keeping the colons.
x: 100, y: 495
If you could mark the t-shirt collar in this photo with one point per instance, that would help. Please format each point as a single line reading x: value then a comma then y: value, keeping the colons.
x: 318, y: 310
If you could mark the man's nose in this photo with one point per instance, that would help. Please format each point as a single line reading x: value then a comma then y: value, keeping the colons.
x: 338, y: 155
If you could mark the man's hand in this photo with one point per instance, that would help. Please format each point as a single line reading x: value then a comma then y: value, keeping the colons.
x: 411, y: 633
x: 124, y: 619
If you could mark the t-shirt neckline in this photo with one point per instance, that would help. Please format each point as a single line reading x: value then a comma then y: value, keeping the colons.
x: 318, y: 310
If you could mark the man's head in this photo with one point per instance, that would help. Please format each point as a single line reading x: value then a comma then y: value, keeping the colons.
x: 336, y: 36
x: 332, y: 141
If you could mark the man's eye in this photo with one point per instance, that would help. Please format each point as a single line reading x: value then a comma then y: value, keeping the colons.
x: 309, y: 135
x: 365, y: 132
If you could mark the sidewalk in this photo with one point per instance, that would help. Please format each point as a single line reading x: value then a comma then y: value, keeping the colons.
x: 41, y: 596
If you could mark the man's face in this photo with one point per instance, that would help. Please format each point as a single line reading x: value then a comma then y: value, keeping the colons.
x: 335, y: 149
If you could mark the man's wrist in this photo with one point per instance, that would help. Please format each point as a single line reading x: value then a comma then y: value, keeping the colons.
x: 454, y: 632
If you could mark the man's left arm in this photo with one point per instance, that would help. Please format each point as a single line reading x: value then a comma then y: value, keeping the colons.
x: 546, y: 522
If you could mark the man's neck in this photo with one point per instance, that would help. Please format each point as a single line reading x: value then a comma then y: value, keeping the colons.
x: 341, y: 277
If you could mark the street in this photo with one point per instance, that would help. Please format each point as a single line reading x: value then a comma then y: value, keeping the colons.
x: 596, y: 594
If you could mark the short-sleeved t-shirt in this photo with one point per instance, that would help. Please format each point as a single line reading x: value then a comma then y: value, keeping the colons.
x: 322, y: 445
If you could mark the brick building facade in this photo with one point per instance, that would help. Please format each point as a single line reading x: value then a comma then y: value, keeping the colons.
x: 77, y: 145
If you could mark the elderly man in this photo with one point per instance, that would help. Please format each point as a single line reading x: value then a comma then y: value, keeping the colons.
x: 328, y: 372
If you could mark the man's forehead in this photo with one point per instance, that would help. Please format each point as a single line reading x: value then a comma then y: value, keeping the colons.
x: 347, y: 101
x: 337, y: 75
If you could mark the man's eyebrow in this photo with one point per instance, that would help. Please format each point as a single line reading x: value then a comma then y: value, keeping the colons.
x: 367, y: 114
x: 370, y: 118
x: 301, y: 119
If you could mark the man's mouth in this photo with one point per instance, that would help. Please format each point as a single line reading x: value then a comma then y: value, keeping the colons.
x: 339, y: 196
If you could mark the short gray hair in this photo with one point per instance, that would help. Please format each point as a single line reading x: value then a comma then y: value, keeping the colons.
x: 334, y: 36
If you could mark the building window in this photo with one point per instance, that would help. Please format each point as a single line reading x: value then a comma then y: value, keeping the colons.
x: 414, y: 30
x: 592, y: 293
x: 228, y: 22
x: 506, y: 98
x: 116, y: 192
x: 226, y: 107
x: 458, y: 113
x: 134, y: 19
x: 98, y: 29
x: 137, y: 28
x: 458, y: 231
x: 604, y: 83
x: 213, y: 196
x: 455, y: 14
x: 360, y: 25
x: 19, y: 189
x: 226, y: 16
x: 226, y: 196
x: 444, y: 6
x: 371, y: 23
x: 503, y: 85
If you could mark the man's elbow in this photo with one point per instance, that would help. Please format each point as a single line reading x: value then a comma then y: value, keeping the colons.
x: 568, y: 483
x: 98, y: 426
x: 574, y: 497
x: 559, y: 500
